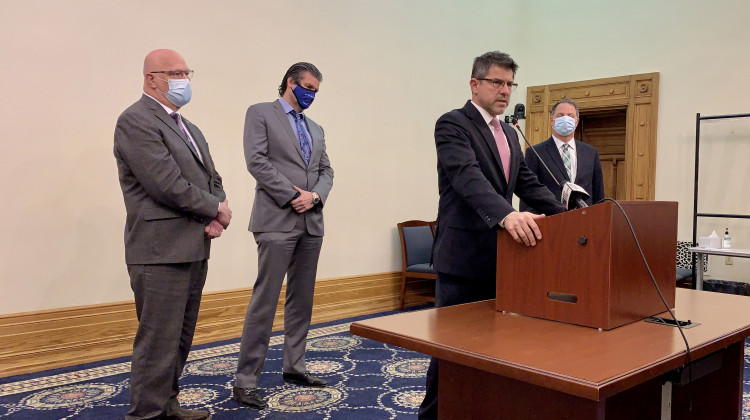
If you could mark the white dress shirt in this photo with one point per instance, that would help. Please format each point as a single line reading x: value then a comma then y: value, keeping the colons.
x: 573, y: 155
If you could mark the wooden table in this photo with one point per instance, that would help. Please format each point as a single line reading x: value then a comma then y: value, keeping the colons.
x: 498, y: 365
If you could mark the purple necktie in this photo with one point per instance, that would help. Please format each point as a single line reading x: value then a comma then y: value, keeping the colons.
x: 304, y: 144
x: 502, y: 146
x: 178, y: 120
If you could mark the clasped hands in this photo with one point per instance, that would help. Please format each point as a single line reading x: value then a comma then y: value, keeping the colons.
x: 214, y: 229
x: 303, y: 202
x: 221, y: 222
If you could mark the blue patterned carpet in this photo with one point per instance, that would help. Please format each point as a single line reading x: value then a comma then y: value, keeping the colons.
x: 368, y: 380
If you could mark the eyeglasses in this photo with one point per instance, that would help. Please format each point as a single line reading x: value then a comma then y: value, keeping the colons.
x: 183, y: 74
x: 499, y: 84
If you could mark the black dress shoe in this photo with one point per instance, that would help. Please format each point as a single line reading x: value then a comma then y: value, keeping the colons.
x: 249, y: 397
x: 304, y: 379
x: 185, y: 414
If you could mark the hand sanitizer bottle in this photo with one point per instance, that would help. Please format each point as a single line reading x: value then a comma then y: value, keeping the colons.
x: 726, y: 242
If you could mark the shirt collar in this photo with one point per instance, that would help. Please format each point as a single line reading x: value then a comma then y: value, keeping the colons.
x: 486, y: 115
x: 559, y: 143
x: 287, y: 108
x: 169, y: 110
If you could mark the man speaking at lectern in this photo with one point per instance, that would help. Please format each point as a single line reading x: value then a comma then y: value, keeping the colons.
x: 480, y: 167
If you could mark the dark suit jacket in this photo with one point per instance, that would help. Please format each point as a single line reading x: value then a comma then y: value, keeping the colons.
x: 169, y: 194
x: 588, y: 173
x: 474, y: 196
x: 274, y: 158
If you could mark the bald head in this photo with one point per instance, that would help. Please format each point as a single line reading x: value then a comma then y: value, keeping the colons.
x: 161, y: 61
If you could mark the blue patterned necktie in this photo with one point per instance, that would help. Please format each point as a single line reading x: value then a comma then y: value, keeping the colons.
x: 304, y: 143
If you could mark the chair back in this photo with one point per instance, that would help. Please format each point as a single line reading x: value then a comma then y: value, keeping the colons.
x: 416, y: 242
x: 685, y: 257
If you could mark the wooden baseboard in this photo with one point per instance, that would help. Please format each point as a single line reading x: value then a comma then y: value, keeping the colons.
x: 49, y: 339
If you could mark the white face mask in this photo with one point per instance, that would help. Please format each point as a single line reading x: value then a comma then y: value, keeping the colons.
x: 179, y: 92
x: 565, y: 125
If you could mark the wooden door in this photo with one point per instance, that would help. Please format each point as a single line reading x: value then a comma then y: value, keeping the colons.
x: 606, y: 130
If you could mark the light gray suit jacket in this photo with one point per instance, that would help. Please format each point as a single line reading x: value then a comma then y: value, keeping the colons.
x: 169, y: 194
x: 274, y: 158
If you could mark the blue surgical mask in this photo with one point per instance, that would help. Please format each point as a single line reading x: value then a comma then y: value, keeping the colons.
x: 179, y: 92
x: 565, y: 125
x: 304, y: 96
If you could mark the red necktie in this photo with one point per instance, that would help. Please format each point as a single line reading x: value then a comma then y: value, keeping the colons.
x: 502, y: 147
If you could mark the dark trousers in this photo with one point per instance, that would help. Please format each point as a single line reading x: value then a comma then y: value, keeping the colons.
x: 451, y: 290
x: 167, y: 299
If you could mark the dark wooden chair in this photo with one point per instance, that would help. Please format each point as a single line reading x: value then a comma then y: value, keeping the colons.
x: 416, y: 247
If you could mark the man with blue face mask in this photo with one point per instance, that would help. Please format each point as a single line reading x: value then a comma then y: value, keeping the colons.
x: 285, y: 152
x: 568, y: 159
x: 175, y: 205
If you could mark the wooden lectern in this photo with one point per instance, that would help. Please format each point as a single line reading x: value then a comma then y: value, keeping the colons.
x: 587, y: 269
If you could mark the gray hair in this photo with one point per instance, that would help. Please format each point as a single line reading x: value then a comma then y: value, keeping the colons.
x: 483, y: 63
x: 565, y: 101
x: 296, y: 72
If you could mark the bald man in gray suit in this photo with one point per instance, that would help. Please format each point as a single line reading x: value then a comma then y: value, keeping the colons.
x: 285, y: 152
x: 175, y: 205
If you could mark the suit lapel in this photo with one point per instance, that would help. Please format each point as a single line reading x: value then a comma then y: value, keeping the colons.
x: 199, y: 141
x: 316, y: 143
x: 515, y: 150
x: 483, y: 128
x: 167, y: 119
x: 554, y: 155
x: 284, y: 121
x: 584, y: 159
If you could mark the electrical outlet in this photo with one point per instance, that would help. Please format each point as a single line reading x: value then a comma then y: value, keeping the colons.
x: 728, y: 261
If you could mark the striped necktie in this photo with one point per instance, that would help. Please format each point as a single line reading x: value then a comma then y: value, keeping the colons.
x: 566, y: 160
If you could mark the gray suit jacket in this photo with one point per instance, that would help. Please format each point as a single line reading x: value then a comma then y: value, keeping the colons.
x: 169, y: 194
x: 274, y: 158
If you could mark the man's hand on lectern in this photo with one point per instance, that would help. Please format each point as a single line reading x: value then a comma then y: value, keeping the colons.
x: 522, y: 227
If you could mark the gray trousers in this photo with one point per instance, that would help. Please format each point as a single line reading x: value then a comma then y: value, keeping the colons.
x: 294, y: 254
x: 167, y: 299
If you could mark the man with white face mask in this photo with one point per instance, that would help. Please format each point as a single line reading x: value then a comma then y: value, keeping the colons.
x: 569, y: 160
x: 175, y: 205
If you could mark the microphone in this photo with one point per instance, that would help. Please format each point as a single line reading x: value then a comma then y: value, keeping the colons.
x: 519, y: 113
x: 573, y: 196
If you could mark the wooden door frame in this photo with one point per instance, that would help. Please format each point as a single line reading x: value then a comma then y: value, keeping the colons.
x: 638, y: 94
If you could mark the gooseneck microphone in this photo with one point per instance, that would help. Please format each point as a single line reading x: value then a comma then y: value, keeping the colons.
x: 573, y: 196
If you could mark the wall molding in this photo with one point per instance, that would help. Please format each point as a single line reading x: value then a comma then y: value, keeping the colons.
x: 48, y: 339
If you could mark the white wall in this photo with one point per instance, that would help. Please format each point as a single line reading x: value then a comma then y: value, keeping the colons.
x: 700, y: 51
x: 390, y: 69
x: 70, y: 67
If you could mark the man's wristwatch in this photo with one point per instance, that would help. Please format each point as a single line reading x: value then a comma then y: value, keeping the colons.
x: 316, y: 198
